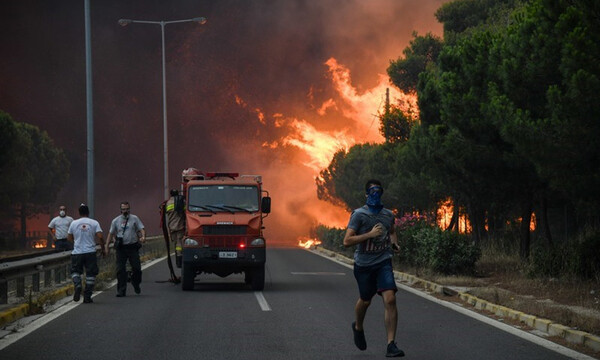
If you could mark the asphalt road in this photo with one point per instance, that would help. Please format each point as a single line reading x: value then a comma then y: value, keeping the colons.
x: 304, y: 312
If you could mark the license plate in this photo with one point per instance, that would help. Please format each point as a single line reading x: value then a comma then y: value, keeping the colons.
x: 228, y: 254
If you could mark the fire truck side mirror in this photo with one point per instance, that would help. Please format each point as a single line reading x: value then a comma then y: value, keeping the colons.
x: 265, y: 205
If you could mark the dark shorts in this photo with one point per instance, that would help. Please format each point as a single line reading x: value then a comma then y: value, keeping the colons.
x: 375, y: 279
x: 87, y: 261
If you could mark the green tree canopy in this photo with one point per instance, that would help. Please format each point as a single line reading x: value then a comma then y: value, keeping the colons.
x: 32, y: 169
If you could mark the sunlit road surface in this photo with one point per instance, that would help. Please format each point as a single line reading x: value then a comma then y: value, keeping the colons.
x: 304, y: 312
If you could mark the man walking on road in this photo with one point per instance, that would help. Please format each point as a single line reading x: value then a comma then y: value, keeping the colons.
x: 58, y: 229
x: 371, y: 228
x: 130, y: 234
x: 84, y: 233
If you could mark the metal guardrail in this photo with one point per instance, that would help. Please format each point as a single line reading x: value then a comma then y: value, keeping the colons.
x: 19, y: 271
x: 53, y: 269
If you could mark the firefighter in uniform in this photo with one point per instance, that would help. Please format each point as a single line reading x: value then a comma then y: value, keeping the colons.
x: 175, y: 219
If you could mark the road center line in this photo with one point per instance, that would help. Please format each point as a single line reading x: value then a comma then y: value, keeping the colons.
x: 264, y: 305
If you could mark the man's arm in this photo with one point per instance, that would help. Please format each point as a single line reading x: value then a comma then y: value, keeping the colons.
x: 352, y: 239
x: 108, y: 241
x: 142, y: 235
x: 394, y: 239
x: 70, y: 238
x: 100, y: 241
x: 51, y: 231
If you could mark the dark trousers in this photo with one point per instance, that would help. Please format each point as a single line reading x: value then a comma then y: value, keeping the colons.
x: 131, y: 253
x: 62, y: 245
x: 89, y: 262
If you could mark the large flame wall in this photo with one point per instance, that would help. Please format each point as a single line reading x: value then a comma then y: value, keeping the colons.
x: 266, y: 87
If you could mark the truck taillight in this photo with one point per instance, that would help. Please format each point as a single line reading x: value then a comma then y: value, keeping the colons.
x: 242, y: 245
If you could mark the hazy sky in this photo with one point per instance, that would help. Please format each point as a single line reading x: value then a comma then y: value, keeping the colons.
x: 265, y: 87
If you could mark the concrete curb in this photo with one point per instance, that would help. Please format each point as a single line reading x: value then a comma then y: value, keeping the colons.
x: 20, y: 311
x: 544, y: 325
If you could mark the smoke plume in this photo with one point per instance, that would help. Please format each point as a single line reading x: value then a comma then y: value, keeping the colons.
x: 264, y: 87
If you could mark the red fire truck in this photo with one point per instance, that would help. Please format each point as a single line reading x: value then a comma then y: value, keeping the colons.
x: 224, y: 215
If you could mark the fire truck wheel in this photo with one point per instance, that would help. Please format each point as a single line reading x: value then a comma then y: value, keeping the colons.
x: 258, y: 278
x: 248, y: 277
x: 187, y: 277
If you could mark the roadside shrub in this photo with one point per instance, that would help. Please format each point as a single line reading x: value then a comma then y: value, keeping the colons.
x: 441, y: 251
x: 333, y: 239
x: 587, y: 263
x: 407, y: 228
x: 549, y: 261
x: 579, y: 258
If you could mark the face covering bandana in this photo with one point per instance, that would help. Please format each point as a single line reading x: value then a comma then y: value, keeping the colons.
x: 62, y: 213
x: 374, y: 198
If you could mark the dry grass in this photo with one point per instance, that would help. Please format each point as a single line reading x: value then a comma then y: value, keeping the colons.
x: 503, y: 280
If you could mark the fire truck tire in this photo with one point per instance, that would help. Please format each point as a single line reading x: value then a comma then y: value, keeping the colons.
x: 258, y: 278
x: 187, y: 277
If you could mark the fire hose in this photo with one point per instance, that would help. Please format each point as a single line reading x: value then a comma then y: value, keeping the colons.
x: 163, y: 223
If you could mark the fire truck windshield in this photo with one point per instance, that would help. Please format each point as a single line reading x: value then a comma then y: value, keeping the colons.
x: 229, y: 198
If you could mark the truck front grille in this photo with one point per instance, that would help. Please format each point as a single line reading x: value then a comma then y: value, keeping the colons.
x: 224, y: 230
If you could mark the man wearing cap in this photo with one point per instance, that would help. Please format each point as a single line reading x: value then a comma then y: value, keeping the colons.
x: 58, y: 229
x: 84, y: 233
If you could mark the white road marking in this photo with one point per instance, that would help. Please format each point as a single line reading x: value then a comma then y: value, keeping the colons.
x: 497, y: 324
x: 264, y: 305
x: 69, y: 305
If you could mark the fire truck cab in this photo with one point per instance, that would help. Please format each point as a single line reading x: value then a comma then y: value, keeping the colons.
x: 224, y: 226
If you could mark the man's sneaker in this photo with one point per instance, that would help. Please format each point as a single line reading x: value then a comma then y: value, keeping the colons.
x: 359, y: 338
x: 77, y: 293
x: 120, y: 294
x: 137, y: 289
x: 87, y: 300
x: 393, y: 351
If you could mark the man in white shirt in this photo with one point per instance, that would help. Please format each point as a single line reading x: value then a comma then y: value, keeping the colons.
x: 85, y: 233
x: 58, y: 229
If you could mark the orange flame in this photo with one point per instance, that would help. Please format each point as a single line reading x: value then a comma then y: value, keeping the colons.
x: 444, y: 216
x: 364, y: 108
x: 39, y: 244
x: 318, y: 145
x: 307, y: 243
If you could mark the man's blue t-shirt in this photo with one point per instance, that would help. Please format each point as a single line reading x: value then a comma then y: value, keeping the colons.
x: 374, y: 250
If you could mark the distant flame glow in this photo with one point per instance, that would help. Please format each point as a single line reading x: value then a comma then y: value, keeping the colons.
x: 307, y: 243
x: 39, y: 244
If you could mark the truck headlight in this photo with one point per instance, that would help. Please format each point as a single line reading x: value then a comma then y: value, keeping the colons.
x: 258, y: 242
x: 190, y: 242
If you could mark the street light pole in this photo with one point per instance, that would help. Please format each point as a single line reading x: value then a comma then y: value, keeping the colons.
x: 89, y: 110
x: 125, y: 22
